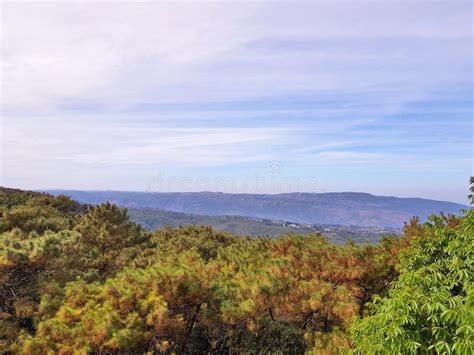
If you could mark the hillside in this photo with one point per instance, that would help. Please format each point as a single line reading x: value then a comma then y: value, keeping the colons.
x: 345, y: 208
x: 87, y: 279
x: 152, y: 219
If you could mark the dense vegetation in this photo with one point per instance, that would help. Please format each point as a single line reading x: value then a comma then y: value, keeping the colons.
x: 82, y: 279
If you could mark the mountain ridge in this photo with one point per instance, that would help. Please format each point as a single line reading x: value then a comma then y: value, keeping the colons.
x: 205, y: 192
x: 336, y: 208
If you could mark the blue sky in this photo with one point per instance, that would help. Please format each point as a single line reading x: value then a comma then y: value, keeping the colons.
x: 262, y: 97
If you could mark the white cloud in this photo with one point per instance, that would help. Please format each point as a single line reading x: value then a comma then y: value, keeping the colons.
x: 93, y: 141
x: 204, y: 147
x: 123, y: 52
x: 74, y: 76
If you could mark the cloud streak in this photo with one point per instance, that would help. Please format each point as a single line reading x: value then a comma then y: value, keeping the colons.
x: 330, y: 89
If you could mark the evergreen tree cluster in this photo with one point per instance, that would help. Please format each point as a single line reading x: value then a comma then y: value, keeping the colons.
x: 78, y: 279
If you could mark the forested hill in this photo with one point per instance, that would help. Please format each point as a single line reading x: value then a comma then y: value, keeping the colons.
x: 346, y: 208
x: 152, y: 219
x: 78, y: 279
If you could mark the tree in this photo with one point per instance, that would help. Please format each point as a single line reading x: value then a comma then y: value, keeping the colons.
x: 430, y: 307
x: 107, y: 237
x: 83, y: 279
x: 471, y: 189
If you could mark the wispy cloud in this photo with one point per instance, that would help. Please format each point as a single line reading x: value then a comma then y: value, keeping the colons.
x: 327, y: 88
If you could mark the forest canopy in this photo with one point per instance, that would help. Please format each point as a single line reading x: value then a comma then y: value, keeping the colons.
x: 85, y: 279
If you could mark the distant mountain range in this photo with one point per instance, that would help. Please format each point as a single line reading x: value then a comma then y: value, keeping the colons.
x: 344, y: 208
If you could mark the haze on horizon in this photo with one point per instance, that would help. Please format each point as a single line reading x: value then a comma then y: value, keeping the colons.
x: 260, y: 97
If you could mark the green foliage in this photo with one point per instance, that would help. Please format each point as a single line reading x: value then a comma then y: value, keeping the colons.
x: 78, y: 279
x: 106, y: 242
x: 214, y: 292
x: 429, y: 309
x: 35, y: 212
x: 48, y: 241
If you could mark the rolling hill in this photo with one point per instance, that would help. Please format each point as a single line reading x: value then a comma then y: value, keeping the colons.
x: 152, y: 219
x: 345, y: 208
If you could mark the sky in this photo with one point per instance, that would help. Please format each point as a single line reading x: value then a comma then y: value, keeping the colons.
x: 241, y: 96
